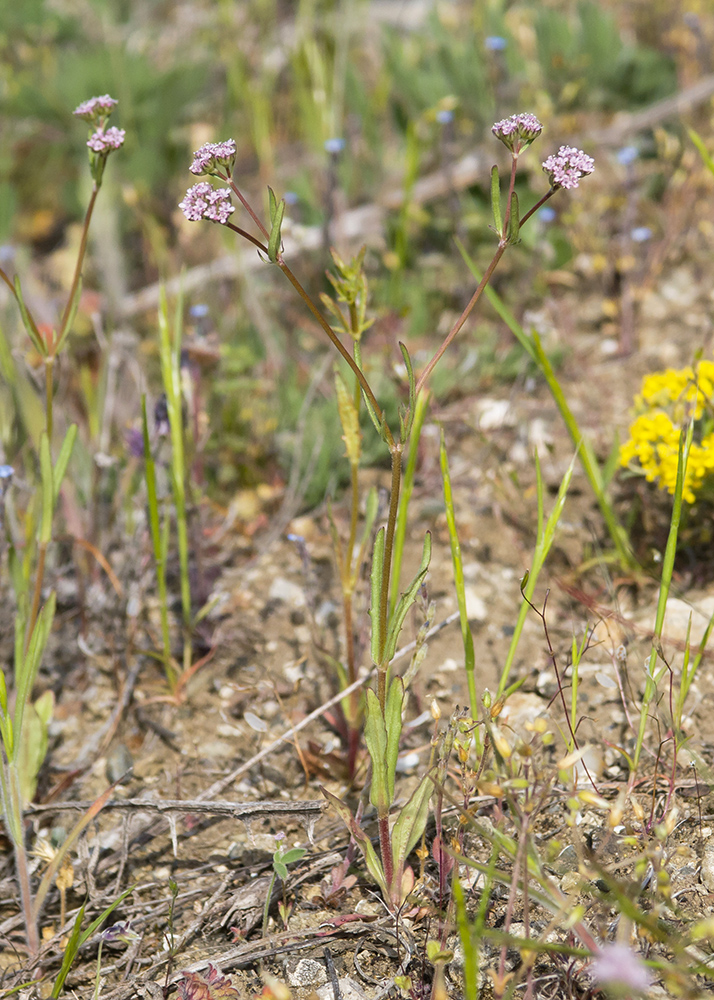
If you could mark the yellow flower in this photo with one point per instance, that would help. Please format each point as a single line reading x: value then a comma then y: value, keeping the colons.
x: 666, y: 403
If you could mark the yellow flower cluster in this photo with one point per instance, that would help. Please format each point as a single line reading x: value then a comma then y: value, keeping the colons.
x: 667, y: 401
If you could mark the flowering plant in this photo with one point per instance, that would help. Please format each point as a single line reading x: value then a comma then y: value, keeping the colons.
x: 665, y: 403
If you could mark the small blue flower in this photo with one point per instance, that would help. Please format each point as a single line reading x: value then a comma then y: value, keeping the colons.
x: 495, y: 43
x: 6, y: 472
x: 291, y: 198
x: 640, y: 234
x: 334, y: 146
x: 444, y: 117
x: 547, y: 214
x: 7, y: 253
x: 199, y: 311
x: 627, y: 155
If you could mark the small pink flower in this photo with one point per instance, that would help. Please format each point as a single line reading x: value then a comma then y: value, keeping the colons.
x: 567, y: 166
x: 619, y: 966
x: 95, y: 108
x: 104, y: 142
x: 212, y: 155
x: 518, y: 131
x: 205, y: 202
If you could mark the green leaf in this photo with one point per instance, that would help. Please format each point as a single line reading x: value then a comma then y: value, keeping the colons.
x: 376, y: 582
x: 393, y: 725
x: 375, y: 736
x: 294, y: 854
x: 70, y: 953
x: 276, y: 225
x: 28, y: 665
x: 407, y: 425
x: 63, y: 458
x: 411, y: 823
x: 280, y: 870
x: 34, y: 741
x: 406, y: 602
x: 272, y: 204
x: 28, y: 321
x: 496, y: 200
x: 76, y: 942
x: 48, y: 493
x: 514, y: 221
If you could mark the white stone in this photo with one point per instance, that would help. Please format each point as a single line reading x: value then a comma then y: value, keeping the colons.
x: 287, y: 591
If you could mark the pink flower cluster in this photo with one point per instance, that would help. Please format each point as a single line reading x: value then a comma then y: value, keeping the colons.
x: 567, y: 166
x: 617, y: 965
x: 95, y: 108
x: 205, y: 202
x: 212, y: 155
x: 518, y: 131
x: 104, y: 142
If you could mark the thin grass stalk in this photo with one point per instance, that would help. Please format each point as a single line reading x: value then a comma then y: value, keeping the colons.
x: 160, y: 547
x: 400, y: 534
x: 685, y: 442
x: 546, y: 535
x: 171, y: 376
x: 466, y: 636
x: 396, y: 457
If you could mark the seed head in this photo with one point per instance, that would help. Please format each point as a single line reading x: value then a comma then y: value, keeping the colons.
x: 567, y: 166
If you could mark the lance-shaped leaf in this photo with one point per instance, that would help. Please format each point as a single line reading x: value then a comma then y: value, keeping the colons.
x: 376, y: 587
x: 77, y: 940
x: 496, y: 200
x: 63, y: 458
x: 28, y: 322
x: 411, y: 824
x: 374, y: 865
x: 27, y: 664
x: 393, y: 724
x: 382, y: 732
x: 349, y: 418
x: 406, y: 601
x: 407, y: 420
x: 277, y: 211
x: 375, y: 736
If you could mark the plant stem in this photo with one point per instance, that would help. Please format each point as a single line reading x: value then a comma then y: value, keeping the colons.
x: 359, y: 374
x: 385, y: 849
x: 49, y: 387
x: 80, y: 260
x: 15, y: 826
x: 421, y: 381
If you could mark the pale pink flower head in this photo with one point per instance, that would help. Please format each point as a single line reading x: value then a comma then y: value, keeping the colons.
x: 106, y: 141
x: 567, y: 166
x: 212, y: 156
x: 96, y: 109
x: 518, y: 131
x: 618, y: 968
x: 202, y: 201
